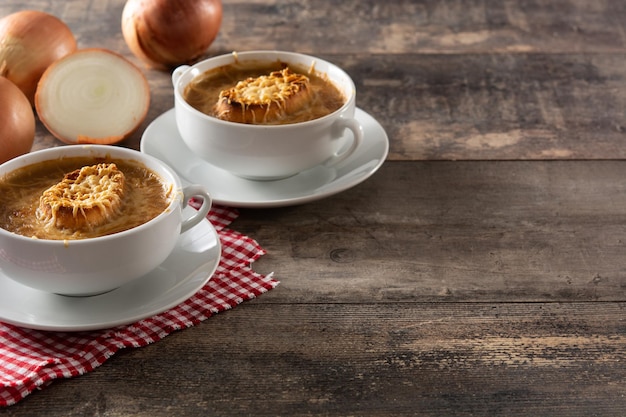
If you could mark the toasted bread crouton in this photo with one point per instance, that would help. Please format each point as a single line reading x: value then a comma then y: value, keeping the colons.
x: 85, y: 198
x: 265, y: 99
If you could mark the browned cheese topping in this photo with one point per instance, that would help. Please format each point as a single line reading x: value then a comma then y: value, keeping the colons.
x: 85, y: 198
x: 265, y: 98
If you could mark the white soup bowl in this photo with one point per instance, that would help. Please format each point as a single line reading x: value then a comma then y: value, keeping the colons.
x: 100, y: 264
x: 268, y: 152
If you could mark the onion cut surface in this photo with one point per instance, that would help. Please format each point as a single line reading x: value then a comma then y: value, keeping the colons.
x: 92, y: 96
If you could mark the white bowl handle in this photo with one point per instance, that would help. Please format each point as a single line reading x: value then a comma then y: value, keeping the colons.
x: 357, y: 132
x: 195, y: 191
x: 178, y: 72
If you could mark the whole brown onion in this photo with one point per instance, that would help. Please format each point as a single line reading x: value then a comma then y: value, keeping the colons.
x: 167, y: 33
x: 30, y: 41
x: 17, y: 121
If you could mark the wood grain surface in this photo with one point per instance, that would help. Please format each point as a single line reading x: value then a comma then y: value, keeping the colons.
x: 480, y: 272
x: 448, y: 80
x: 456, y: 231
x: 365, y: 359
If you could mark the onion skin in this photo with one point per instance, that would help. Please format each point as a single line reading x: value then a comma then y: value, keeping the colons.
x: 167, y: 33
x: 30, y: 41
x: 17, y: 122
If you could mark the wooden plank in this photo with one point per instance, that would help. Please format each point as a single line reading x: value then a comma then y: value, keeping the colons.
x: 446, y: 101
x: 515, y: 106
x: 464, y: 231
x: 398, y: 27
x: 366, y: 359
x: 434, y: 288
x: 474, y: 107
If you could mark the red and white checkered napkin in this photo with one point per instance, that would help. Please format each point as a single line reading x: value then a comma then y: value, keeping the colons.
x: 30, y: 359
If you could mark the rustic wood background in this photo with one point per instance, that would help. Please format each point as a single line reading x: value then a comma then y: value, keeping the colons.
x: 480, y: 272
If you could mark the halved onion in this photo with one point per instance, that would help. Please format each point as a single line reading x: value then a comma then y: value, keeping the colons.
x: 92, y: 96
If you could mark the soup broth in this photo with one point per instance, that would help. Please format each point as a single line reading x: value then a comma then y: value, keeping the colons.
x: 203, y: 91
x: 145, y: 197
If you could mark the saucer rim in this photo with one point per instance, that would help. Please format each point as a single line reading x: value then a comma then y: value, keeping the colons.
x: 381, y: 138
x: 171, y: 297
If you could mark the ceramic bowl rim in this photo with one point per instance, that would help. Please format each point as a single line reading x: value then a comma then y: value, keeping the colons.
x: 273, y: 54
x: 174, y: 180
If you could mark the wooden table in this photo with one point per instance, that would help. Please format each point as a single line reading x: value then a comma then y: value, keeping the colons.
x: 480, y: 272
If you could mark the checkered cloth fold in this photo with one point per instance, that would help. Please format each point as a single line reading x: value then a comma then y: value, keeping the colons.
x: 31, y: 359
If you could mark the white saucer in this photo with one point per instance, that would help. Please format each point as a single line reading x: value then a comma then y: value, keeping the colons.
x: 162, y: 140
x: 190, y: 266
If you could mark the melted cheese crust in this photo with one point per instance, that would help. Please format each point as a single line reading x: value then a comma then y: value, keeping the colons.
x: 265, y: 98
x: 278, y: 86
x: 85, y: 197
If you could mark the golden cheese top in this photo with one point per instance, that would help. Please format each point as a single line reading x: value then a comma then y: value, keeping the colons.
x: 276, y: 87
x: 96, y: 186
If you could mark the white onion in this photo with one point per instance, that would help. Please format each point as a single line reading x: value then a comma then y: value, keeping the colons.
x: 92, y: 96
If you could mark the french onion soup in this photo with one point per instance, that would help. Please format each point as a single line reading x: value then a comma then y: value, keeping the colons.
x: 269, y: 93
x: 80, y: 197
